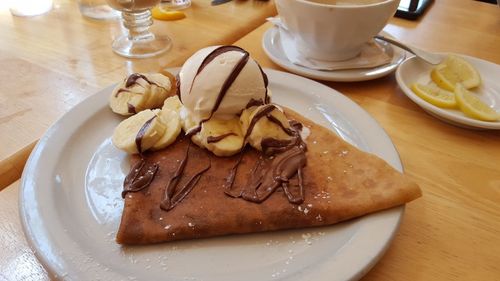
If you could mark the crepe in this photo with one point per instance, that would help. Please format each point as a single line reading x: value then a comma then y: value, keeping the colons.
x: 340, y: 183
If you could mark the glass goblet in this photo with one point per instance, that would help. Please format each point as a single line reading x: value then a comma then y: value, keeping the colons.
x: 140, y: 42
x: 176, y: 4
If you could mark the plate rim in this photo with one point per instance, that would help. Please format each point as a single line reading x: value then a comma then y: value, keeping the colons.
x: 273, y: 31
x: 441, y: 113
x: 26, y: 211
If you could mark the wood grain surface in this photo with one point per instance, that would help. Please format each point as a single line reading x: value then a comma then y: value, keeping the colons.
x: 451, y: 233
x: 53, y: 61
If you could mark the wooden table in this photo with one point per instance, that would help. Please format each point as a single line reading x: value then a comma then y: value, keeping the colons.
x: 451, y: 233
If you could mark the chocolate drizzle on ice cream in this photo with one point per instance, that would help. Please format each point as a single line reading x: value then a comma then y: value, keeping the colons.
x: 219, y: 81
x: 267, y: 99
x: 228, y: 81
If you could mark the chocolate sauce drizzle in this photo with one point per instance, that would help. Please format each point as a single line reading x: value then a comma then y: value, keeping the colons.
x: 212, y: 139
x: 140, y: 177
x: 228, y: 186
x: 131, y: 108
x: 261, y: 113
x: 269, y: 174
x: 254, y: 102
x: 119, y: 91
x: 193, y: 131
x: 229, y: 81
x: 214, y: 54
x: 275, y: 120
x: 277, y: 166
x: 171, y: 198
x: 296, y: 124
x: 132, y: 80
x: 141, y: 133
x: 266, y: 83
x: 281, y: 160
x: 178, y: 86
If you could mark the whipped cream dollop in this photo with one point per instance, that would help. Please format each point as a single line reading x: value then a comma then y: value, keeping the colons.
x: 220, y: 81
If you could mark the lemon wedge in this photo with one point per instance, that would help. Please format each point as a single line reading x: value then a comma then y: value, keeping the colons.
x: 435, y: 95
x: 161, y: 14
x: 455, y: 70
x: 472, y: 106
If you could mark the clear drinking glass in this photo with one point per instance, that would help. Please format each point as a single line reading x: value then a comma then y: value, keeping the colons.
x: 139, y: 42
x: 175, y: 4
x: 97, y: 9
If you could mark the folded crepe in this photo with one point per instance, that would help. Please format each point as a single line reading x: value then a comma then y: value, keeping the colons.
x: 340, y: 183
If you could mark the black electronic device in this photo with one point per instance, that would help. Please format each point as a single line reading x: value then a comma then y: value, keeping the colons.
x: 412, y: 9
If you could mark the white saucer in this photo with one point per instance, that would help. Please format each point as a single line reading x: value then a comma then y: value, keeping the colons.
x: 414, y: 70
x: 271, y: 44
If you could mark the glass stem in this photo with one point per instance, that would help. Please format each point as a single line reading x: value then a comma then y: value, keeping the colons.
x: 138, y: 25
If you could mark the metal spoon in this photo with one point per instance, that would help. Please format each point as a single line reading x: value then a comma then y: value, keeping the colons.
x: 428, y: 57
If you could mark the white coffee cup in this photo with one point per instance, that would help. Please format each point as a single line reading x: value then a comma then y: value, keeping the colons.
x: 334, y: 32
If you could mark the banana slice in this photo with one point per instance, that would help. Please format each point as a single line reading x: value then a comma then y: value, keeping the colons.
x: 222, y: 137
x: 126, y: 101
x: 142, y: 129
x: 160, y: 89
x: 245, y: 117
x: 153, y: 100
x: 140, y: 91
x: 173, y: 82
x: 198, y: 140
x: 273, y: 125
x: 172, y: 122
x: 172, y: 103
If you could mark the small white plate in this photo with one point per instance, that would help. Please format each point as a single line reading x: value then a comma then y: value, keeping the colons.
x: 413, y: 70
x: 271, y: 43
x: 70, y: 205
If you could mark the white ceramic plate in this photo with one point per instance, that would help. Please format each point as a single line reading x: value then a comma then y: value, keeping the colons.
x: 70, y: 205
x: 414, y: 70
x: 271, y: 44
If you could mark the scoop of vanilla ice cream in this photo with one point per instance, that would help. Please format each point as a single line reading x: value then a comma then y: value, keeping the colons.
x: 199, y: 90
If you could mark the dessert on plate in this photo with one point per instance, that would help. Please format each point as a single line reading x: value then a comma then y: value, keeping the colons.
x: 220, y: 158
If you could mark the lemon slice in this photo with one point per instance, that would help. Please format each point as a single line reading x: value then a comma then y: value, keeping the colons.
x: 161, y: 14
x: 455, y: 70
x: 435, y: 95
x: 472, y: 106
